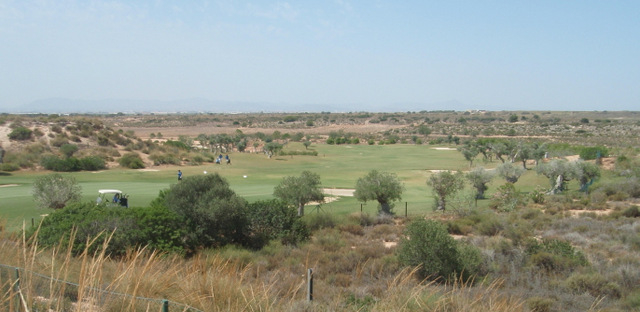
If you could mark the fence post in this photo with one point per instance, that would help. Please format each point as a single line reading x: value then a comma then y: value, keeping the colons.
x: 16, y: 289
x: 406, y: 209
x: 360, y: 207
x: 309, y: 284
x: 165, y: 305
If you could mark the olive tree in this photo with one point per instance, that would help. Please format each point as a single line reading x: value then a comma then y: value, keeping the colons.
x: 469, y: 152
x: 479, y: 178
x: 383, y: 187
x: 300, y: 191
x: 559, y: 172
x: 445, y: 184
x: 585, y: 173
x: 510, y: 172
x: 56, y: 190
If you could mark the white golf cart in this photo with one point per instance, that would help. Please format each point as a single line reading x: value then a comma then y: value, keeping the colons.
x: 112, y: 198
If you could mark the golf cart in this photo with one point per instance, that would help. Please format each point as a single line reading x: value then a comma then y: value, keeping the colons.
x: 112, y: 198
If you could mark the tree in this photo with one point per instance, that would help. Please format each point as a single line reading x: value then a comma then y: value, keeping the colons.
x: 469, y: 152
x: 214, y: 215
x: 55, y: 191
x: 300, y: 191
x: 306, y: 144
x: 272, y: 148
x: 510, y: 172
x: 524, y: 152
x: 381, y: 186
x: 445, y: 184
x: 559, y: 173
x: 586, y: 172
x: 479, y: 178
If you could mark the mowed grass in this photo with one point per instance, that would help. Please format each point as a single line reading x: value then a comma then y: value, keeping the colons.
x: 339, y: 166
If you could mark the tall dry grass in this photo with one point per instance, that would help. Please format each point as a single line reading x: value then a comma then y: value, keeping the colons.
x: 54, y: 280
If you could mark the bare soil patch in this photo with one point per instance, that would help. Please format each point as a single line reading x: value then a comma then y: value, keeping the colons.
x: 8, y: 185
x: 338, y: 192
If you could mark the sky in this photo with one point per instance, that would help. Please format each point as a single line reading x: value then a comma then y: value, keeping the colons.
x: 494, y: 55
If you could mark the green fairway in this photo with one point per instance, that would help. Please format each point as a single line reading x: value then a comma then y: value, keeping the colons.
x: 339, y: 166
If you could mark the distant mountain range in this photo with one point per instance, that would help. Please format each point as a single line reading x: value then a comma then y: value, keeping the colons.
x: 198, y: 105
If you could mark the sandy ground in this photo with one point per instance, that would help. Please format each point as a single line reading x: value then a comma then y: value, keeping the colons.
x: 4, y: 137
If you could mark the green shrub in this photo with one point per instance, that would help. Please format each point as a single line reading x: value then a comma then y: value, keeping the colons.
x: 131, y: 160
x: 363, y: 219
x: 274, y: 219
x: 92, y: 163
x: 164, y: 159
x: 9, y: 167
x: 59, y: 141
x: 539, y: 304
x: 54, y: 163
x: 593, y: 283
x: 631, y: 212
x: 490, y: 226
x: 317, y: 221
x: 177, y: 144
x: 472, y: 264
x: 68, y: 149
x: 55, y: 190
x: 507, y: 198
x: 429, y: 246
x: 21, y: 134
x: 156, y: 227
x: 213, y: 214
x: 537, y: 196
x: 591, y: 152
x: 554, y: 255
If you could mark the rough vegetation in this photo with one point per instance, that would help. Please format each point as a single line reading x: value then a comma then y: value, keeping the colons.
x: 548, y: 248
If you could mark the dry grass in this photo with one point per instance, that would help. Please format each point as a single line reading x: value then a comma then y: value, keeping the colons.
x: 365, y: 278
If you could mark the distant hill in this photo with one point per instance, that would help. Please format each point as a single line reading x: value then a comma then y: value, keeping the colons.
x: 194, y: 105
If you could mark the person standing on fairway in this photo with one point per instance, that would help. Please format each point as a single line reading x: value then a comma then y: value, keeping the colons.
x: 179, y: 175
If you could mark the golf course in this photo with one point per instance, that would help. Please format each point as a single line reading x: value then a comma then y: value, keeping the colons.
x: 339, y: 166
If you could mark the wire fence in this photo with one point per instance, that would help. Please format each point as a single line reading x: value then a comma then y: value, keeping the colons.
x: 25, y: 290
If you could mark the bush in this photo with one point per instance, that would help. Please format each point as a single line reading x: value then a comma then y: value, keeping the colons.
x: 429, y: 246
x: 274, y: 219
x: 591, y: 152
x: 21, y: 134
x: 319, y: 221
x: 68, y: 149
x: 593, y: 283
x: 9, y: 167
x: 54, y: 163
x: 555, y: 255
x: 213, y: 214
x: 631, y: 212
x: 164, y: 159
x: 539, y: 304
x: 131, y: 160
x: 55, y: 190
x: 92, y: 163
x: 177, y: 144
x: 507, y: 198
x: 156, y: 227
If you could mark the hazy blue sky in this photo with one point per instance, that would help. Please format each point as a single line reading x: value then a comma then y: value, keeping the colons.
x: 532, y: 55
